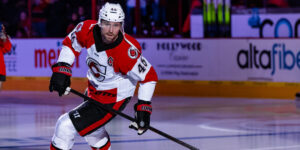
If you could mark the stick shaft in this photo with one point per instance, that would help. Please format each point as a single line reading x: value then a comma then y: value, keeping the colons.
x: 132, y: 119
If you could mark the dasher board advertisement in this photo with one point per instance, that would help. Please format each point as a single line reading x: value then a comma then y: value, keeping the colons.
x: 265, y: 25
x: 275, y: 60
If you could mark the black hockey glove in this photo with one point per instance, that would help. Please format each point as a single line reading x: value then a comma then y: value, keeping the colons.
x: 60, y: 78
x: 143, y: 110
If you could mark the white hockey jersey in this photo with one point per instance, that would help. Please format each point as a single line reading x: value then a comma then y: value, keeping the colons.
x: 114, y: 69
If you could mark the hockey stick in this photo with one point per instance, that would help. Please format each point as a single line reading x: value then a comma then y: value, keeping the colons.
x: 132, y: 119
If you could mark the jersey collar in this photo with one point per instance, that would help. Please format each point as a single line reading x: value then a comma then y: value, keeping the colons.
x: 100, y: 46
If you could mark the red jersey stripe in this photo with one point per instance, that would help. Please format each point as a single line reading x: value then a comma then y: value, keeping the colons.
x: 102, y: 121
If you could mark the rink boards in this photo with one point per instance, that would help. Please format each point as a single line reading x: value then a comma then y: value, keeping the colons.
x: 191, y: 67
x: 249, y: 89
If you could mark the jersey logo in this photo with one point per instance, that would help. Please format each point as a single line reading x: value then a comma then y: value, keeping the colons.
x: 97, y: 70
x: 110, y: 61
x: 76, y: 114
x: 132, y: 53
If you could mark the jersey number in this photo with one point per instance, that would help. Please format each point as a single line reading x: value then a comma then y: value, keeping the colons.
x: 142, y: 66
x: 77, y: 29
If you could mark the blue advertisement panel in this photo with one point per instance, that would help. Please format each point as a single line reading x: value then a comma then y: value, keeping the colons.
x: 265, y: 25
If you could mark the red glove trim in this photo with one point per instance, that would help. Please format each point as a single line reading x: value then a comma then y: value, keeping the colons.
x: 144, y: 107
x: 63, y: 69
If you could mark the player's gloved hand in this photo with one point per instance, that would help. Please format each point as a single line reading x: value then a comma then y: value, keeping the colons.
x: 143, y: 110
x: 60, y: 78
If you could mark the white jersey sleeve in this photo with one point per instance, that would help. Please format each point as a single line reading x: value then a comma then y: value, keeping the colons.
x: 137, y: 67
x: 144, y: 72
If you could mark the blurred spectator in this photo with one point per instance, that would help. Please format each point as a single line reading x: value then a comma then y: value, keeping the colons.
x: 238, y: 4
x: 39, y: 18
x: 145, y: 30
x: 294, y: 3
x: 23, y: 30
x: 156, y: 30
x: 255, y: 3
x: 5, y: 46
x: 56, y: 24
x: 129, y: 19
x: 130, y: 16
x: 81, y: 14
x: 153, y: 29
x: 159, y: 11
x: 143, y: 4
x: 155, y: 10
x: 167, y: 30
x: 74, y: 21
x: 277, y: 3
x: 53, y: 18
x: 243, y: 4
x: 9, y: 15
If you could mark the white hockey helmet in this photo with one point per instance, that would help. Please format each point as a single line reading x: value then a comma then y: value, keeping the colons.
x: 111, y: 12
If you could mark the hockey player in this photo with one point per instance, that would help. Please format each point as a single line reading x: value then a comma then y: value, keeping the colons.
x: 115, y: 67
x: 5, y: 46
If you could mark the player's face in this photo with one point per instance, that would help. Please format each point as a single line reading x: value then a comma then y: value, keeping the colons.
x: 110, y: 30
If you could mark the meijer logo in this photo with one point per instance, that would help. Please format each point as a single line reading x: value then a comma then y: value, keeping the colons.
x: 46, y: 58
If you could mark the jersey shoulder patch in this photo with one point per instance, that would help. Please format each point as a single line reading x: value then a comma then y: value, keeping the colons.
x: 126, y: 56
x: 133, y: 52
